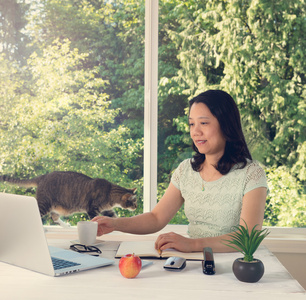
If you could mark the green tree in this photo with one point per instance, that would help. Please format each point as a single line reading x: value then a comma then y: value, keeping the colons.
x: 13, y: 41
x: 60, y: 123
x: 78, y: 101
x: 254, y: 50
x: 286, y: 203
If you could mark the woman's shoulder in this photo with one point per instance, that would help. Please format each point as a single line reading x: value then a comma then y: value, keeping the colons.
x: 181, y: 164
x: 254, y: 165
x: 185, y: 163
x: 250, y: 165
x: 253, y: 168
x: 183, y: 167
x: 255, y: 176
x: 180, y: 173
x: 254, y: 172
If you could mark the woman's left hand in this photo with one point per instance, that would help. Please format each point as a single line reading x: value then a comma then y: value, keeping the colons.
x: 175, y: 241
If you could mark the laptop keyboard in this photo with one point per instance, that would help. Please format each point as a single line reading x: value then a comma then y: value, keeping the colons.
x: 61, y: 263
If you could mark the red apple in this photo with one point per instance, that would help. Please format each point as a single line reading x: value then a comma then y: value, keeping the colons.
x: 130, y: 265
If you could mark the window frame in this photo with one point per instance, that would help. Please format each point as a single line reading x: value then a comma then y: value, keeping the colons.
x: 151, y: 119
x: 150, y: 105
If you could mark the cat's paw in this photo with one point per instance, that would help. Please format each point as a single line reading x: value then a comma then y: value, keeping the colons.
x: 63, y: 224
x: 109, y: 213
x: 66, y: 225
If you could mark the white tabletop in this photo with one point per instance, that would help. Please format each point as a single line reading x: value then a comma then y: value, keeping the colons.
x: 153, y: 282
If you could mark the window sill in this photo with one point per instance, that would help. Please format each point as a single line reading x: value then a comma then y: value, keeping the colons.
x: 280, y: 239
x: 286, y: 240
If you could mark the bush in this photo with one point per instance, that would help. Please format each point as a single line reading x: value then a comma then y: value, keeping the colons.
x: 286, y: 202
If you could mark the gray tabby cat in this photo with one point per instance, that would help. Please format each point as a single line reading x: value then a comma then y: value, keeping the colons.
x: 64, y: 193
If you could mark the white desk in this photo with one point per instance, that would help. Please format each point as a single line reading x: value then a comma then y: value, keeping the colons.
x: 153, y: 282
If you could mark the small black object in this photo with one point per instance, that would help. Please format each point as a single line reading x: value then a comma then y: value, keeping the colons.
x: 175, y: 263
x: 208, y: 264
x: 92, y: 250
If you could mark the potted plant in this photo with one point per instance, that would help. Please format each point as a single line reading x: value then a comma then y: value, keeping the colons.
x: 248, y: 268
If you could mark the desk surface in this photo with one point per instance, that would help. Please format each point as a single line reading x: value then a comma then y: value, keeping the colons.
x: 153, y: 282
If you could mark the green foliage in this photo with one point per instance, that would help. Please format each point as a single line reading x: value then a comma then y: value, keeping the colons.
x: 69, y: 113
x: 246, y: 241
x: 254, y: 50
x: 72, y: 76
x: 286, y: 202
x: 14, y: 42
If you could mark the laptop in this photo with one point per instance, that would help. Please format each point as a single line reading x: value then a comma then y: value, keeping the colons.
x: 23, y: 242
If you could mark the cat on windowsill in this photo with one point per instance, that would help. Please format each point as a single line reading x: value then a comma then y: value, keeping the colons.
x: 65, y: 193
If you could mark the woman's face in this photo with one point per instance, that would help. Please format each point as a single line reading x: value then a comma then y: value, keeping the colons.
x: 205, y: 131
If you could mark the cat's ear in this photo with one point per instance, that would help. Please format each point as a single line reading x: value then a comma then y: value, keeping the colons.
x: 134, y: 190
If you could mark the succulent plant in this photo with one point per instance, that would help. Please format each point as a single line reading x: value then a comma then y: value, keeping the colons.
x: 246, y: 242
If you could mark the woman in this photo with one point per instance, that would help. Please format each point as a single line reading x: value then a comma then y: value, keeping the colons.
x: 220, y: 186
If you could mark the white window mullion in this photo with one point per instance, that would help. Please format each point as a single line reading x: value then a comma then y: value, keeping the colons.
x: 150, y: 105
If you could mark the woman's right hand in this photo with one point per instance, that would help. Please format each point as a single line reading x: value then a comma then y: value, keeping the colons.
x: 105, y: 224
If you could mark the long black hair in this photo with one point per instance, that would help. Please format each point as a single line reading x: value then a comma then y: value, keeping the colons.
x: 224, y: 108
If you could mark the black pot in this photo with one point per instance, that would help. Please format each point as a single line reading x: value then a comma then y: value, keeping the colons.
x: 248, y: 271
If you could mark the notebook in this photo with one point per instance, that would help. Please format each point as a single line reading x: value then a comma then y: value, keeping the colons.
x: 147, y: 249
x: 23, y: 242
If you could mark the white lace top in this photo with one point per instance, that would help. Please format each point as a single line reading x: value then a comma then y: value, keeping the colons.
x: 217, y: 209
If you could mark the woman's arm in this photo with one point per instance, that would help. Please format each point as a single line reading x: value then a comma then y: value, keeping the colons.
x: 253, y: 207
x: 145, y: 223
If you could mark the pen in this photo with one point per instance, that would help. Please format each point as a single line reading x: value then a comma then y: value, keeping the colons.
x: 159, y: 252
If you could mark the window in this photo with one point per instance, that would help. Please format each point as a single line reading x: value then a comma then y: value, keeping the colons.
x: 73, y: 90
x: 203, y: 45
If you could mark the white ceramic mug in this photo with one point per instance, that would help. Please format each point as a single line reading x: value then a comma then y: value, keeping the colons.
x: 87, y: 231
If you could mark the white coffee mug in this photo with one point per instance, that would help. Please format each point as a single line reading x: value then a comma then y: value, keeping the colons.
x: 87, y: 231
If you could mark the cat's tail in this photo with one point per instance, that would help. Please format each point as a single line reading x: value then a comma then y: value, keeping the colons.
x: 26, y: 183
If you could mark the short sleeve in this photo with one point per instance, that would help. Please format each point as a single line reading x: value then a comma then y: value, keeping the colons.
x: 178, y: 174
x: 255, y: 177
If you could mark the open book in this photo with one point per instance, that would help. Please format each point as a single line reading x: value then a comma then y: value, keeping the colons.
x: 147, y: 249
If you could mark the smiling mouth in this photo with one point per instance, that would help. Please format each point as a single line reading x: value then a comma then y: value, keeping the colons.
x: 200, y: 142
